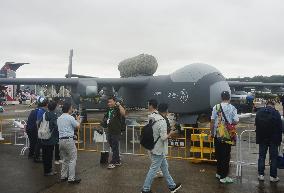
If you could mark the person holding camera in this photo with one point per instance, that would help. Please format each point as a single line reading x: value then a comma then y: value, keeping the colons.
x: 68, y: 151
x: 113, y: 121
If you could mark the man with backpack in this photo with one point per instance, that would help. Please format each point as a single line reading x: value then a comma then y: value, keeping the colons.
x: 268, y: 135
x: 113, y: 121
x: 153, y: 109
x: 50, y: 137
x: 223, y: 120
x: 42, y: 108
x: 158, y: 145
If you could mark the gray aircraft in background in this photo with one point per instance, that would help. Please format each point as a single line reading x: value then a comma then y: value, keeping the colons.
x: 190, y: 91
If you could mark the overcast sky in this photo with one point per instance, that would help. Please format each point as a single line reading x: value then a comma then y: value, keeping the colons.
x: 239, y: 37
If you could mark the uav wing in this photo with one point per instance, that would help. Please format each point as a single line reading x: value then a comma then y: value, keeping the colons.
x: 82, y: 86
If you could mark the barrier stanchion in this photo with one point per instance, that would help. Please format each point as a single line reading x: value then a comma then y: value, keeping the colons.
x: 241, y: 161
x: 27, y: 144
x: 136, y: 132
x: 92, y: 128
x: 2, y: 139
x: 1, y: 130
x: 201, y: 147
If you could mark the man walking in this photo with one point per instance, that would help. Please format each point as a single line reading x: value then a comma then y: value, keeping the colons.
x: 158, y: 154
x: 113, y: 118
x: 268, y: 135
x: 153, y: 109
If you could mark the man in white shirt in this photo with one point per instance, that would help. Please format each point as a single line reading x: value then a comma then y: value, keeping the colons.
x: 153, y: 109
x: 158, y: 154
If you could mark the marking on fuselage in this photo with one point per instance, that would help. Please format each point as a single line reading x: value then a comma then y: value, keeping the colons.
x: 157, y: 93
x: 182, y: 95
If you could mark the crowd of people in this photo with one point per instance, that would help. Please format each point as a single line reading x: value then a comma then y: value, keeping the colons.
x: 63, y: 123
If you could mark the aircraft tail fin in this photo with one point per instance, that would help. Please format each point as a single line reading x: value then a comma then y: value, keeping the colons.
x: 69, y: 75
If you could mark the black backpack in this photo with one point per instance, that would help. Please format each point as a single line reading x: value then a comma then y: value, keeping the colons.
x: 264, y: 124
x: 147, y: 138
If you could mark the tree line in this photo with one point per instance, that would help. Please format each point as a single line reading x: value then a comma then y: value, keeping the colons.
x: 264, y: 79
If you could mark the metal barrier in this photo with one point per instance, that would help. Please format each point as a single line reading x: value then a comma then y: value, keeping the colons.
x: 201, y: 145
x: 1, y: 130
x: 241, y: 162
x: 135, y: 135
x: 2, y: 139
x: 27, y: 144
x: 88, y: 143
x: 194, y: 144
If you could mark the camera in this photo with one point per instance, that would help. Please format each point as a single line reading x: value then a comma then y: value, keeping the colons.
x: 75, y: 114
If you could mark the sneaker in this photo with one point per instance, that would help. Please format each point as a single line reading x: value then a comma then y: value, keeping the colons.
x: 229, y: 180
x: 76, y: 181
x: 146, y: 191
x: 218, y: 176
x: 261, y: 177
x: 50, y: 174
x: 272, y: 179
x: 111, y: 166
x: 56, y: 162
x: 159, y: 174
x: 60, y: 161
x: 175, y: 189
x: 226, y: 180
x: 118, y: 164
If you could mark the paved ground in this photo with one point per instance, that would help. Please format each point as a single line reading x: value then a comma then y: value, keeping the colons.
x: 18, y: 174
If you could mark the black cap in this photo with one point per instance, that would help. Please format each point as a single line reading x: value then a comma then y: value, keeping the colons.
x: 225, y: 95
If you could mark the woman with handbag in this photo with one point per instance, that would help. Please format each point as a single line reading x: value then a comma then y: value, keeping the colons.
x: 223, y: 129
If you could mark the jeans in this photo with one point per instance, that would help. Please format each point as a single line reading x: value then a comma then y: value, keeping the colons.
x: 47, y: 156
x: 150, y: 155
x: 158, y: 161
x: 273, y: 154
x: 68, y: 154
x: 113, y: 141
x: 223, y: 156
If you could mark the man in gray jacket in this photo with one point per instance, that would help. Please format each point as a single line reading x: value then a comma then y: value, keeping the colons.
x: 158, y: 154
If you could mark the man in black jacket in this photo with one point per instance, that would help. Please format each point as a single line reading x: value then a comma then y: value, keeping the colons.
x: 268, y: 135
x: 113, y: 117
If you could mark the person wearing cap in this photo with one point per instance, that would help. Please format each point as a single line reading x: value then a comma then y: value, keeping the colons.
x: 268, y: 135
x: 42, y: 108
x: 223, y: 149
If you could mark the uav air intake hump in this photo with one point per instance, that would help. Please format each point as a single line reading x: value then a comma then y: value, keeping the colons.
x: 141, y: 65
